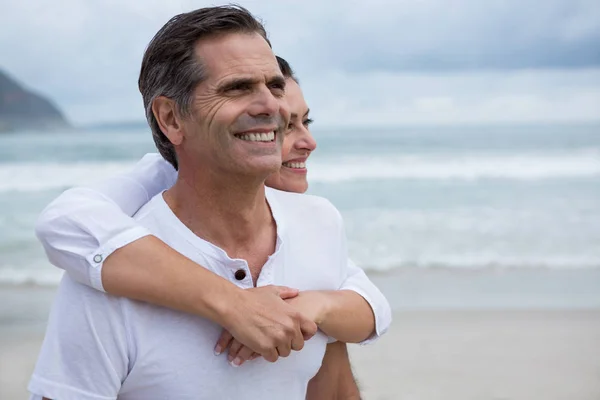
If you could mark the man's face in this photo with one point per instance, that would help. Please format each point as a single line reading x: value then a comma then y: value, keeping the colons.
x: 239, y: 113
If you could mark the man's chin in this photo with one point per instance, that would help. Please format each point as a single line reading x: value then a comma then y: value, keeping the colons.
x: 261, y: 168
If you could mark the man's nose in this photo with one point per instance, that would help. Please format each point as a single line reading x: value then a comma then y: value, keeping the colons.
x: 265, y: 104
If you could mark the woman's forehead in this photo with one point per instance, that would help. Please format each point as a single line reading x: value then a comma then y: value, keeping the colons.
x: 295, y: 98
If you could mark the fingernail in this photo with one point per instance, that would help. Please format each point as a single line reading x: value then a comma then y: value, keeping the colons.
x: 218, y: 350
x: 237, y: 362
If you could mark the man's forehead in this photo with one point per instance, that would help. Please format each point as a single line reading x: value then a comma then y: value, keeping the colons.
x: 239, y: 53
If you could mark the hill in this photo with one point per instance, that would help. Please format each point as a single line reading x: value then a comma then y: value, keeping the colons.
x: 20, y: 109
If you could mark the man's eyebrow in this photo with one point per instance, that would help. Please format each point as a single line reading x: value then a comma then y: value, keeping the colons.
x: 236, y: 82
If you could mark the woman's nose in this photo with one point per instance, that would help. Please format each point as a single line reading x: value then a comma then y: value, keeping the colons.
x: 307, y: 142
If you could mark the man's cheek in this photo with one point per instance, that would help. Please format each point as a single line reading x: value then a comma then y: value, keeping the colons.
x: 284, y: 110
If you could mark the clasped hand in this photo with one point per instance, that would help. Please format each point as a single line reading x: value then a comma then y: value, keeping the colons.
x: 269, y: 321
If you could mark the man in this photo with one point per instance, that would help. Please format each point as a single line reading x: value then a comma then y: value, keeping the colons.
x: 104, y: 347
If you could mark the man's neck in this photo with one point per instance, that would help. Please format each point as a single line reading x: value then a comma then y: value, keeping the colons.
x: 228, y: 211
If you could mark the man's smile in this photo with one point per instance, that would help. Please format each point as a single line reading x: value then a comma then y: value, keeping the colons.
x: 257, y: 136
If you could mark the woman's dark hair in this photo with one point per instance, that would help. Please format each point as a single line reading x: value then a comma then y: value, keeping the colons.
x: 286, y: 69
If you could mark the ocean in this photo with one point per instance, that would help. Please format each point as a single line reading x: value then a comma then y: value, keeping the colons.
x: 477, y: 198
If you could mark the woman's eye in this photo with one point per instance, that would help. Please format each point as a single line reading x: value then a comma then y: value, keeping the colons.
x: 307, y: 122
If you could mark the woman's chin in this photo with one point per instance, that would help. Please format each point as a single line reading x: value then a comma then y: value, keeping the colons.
x: 297, y: 187
x: 291, y: 186
x: 288, y: 181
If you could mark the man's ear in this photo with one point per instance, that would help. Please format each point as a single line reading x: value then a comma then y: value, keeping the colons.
x: 165, y: 112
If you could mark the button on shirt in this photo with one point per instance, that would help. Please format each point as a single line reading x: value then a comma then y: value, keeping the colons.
x: 240, y: 274
x: 101, y: 346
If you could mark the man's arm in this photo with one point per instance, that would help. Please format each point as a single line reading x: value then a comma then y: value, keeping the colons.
x: 335, y: 379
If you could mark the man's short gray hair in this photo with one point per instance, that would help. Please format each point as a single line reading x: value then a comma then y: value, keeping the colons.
x: 171, y: 68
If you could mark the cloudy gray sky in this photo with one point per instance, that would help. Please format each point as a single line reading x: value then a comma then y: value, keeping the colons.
x: 369, y: 62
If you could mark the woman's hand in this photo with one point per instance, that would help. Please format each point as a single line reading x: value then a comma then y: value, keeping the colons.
x: 311, y: 304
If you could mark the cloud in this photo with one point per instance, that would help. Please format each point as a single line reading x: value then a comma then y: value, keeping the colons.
x: 368, y: 62
x: 438, y: 36
x: 387, y: 99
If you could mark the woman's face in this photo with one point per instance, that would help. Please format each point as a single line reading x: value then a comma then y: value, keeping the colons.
x: 297, y: 144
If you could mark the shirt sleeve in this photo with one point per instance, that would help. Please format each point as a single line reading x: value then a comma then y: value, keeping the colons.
x: 359, y: 282
x: 85, y: 225
x: 86, y: 351
x: 354, y: 278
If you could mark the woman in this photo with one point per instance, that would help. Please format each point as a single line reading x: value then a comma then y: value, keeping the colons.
x: 118, y: 256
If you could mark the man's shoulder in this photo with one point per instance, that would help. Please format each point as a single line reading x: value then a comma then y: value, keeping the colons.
x: 149, y: 209
x: 77, y: 300
x: 305, y: 207
x: 157, y: 217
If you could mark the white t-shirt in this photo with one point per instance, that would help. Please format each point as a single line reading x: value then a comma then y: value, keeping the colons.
x: 99, y: 346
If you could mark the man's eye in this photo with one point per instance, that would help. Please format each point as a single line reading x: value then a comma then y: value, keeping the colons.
x: 239, y: 87
x: 278, y: 89
x: 290, y: 128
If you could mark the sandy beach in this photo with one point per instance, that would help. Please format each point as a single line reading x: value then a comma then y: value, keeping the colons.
x: 484, y: 355
x: 430, y: 353
x: 440, y: 355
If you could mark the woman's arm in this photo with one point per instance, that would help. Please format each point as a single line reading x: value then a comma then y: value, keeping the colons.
x: 356, y: 313
x: 82, y: 228
x: 90, y: 234
x: 358, y: 306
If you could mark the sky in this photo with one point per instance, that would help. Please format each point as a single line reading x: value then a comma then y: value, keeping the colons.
x: 360, y: 63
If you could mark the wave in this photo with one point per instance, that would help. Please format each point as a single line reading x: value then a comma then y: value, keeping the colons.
x: 26, y: 177
x: 33, y: 177
x: 458, y: 167
x: 48, y: 276
x: 485, y: 263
